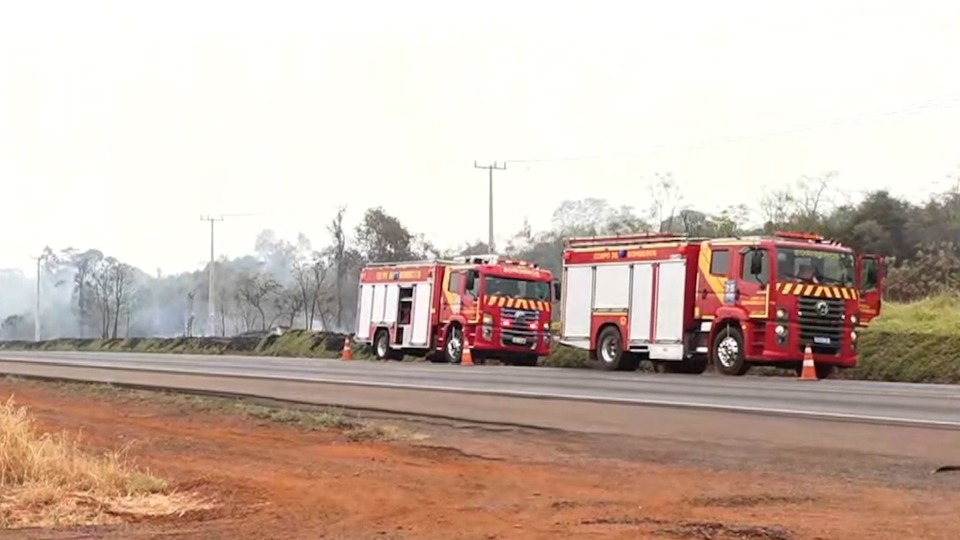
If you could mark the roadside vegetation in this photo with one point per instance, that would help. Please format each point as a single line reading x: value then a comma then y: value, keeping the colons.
x: 49, y: 479
x: 911, y: 342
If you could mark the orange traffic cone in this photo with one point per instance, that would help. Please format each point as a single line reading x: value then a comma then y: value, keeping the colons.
x: 347, y: 353
x: 466, y: 358
x: 809, y: 371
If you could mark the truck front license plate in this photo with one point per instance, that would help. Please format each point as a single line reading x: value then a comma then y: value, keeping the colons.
x: 821, y: 340
x: 519, y: 341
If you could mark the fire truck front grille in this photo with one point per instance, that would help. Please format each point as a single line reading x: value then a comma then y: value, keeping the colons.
x: 821, y: 324
x: 519, y: 334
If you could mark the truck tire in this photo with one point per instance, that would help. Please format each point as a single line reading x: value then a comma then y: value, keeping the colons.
x: 610, y: 353
x: 453, y: 348
x: 381, y: 346
x: 528, y: 360
x: 727, y: 352
x: 695, y: 365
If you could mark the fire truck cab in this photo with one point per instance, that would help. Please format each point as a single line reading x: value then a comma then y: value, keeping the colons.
x: 500, y: 307
x: 737, y: 302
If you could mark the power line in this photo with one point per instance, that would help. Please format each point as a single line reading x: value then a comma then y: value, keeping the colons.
x: 941, y: 102
x: 490, y: 168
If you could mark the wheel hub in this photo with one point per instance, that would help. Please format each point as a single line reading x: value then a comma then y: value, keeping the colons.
x: 727, y: 351
x: 454, y: 345
x: 608, y: 351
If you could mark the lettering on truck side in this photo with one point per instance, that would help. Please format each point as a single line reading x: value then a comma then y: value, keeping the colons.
x: 403, y: 274
x: 636, y: 253
x: 520, y: 271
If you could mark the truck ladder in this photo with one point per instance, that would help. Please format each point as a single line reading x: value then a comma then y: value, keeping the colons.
x: 628, y: 239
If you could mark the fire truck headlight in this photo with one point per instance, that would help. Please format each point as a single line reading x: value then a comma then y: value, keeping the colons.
x: 781, y: 313
x: 487, y: 319
x: 853, y: 336
x: 780, y: 330
x: 854, y: 319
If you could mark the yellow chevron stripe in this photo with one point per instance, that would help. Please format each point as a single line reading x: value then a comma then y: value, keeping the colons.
x: 493, y: 300
x: 820, y: 291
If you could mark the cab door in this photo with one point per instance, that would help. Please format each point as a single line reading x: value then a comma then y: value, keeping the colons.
x: 754, y: 279
x: 870, y: 283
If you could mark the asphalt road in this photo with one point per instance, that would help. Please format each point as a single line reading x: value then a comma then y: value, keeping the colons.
x: 915, y: 404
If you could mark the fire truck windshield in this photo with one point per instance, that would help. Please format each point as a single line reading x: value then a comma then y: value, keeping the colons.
x: 815, y: 266
x: 517, y: 288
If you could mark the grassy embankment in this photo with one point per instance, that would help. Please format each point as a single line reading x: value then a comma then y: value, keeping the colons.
x: 917, y: 342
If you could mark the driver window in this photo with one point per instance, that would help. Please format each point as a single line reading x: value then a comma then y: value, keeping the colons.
x: 748, y: 257
x: 868, y: 275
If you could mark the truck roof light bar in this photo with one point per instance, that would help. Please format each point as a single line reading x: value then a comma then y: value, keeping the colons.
x: 462, y: 259
x: 808, y: 236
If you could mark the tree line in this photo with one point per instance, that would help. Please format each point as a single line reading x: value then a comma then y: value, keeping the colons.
x: 312, y: 283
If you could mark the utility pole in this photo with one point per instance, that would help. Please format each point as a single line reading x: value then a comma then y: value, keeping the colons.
x: 212, y: 312
x: 490, y: 168
x: 36, y: 309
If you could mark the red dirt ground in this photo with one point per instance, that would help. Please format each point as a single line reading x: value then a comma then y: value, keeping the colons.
x: 282, y: 481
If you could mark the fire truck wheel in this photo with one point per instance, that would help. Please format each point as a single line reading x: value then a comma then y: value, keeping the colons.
x: 609, y: 349
x: 453, y: 350
x: 728, y: 351
x: 528, y: 360
x: 382, y: 345
x: 695, y: 365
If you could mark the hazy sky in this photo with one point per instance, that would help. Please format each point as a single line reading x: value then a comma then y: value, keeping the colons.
x: 120, y: 124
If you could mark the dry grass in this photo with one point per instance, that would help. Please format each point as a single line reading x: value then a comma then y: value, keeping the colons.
x: 50, y: 480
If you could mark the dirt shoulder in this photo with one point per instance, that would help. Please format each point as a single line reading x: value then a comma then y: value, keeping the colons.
x: 321, y: 474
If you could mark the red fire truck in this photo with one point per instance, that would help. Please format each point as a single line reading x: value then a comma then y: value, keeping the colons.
x: 500, y: 307
x: 682, y: 302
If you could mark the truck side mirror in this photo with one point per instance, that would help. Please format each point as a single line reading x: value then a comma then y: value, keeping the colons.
x: 756, y: 263
x: 556, y: 290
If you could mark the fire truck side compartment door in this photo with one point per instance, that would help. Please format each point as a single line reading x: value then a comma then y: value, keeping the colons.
x: 578, y: 299
x: 392, y: 304
x: 612, y: 287
x: 379, y: 303
x: 422, y: 296
x: 364, y: 311
x: 641, y: 302
x: 671, y: 292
